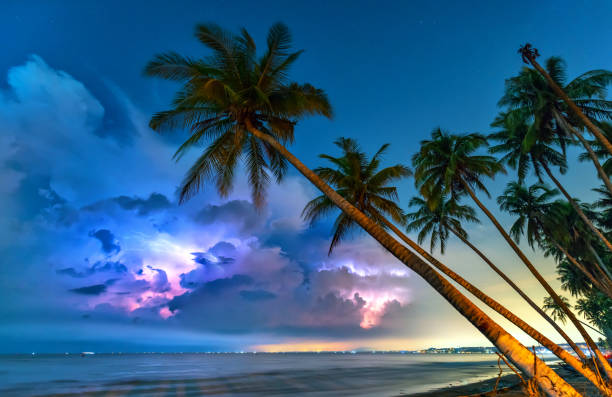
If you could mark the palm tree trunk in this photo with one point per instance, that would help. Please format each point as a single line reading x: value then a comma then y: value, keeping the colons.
x: 602, y: 174
x: 594, y: 329
x: 575, y: 109
x: 499, y: 308
x: 531, y: 303
x: 587, y: 338
x: 548, y: 380
x: 577, y: 208
x: 602, y: 266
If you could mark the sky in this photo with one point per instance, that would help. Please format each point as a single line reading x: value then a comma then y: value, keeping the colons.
x: 97, y: 255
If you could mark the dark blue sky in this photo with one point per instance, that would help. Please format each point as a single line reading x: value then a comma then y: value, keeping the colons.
x: 90, y: 188
x: 393, y: 70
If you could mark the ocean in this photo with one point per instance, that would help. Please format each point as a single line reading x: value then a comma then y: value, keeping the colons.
x: 309, y: 374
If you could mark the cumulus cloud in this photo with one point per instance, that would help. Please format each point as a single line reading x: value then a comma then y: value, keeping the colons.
x: 66, y: 125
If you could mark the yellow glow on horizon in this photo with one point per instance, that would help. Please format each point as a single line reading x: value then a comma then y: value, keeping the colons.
x: 366, y: 344
x: 304, y: 346
x: 326, y: 345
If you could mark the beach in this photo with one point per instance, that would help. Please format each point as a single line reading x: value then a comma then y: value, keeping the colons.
x: 508, y: 386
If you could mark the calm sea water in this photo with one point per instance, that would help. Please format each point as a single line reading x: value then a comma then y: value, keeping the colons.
x: 238, y: 374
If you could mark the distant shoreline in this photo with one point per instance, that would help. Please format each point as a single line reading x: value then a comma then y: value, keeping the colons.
x: 416, y: 353
x: 429, y: 351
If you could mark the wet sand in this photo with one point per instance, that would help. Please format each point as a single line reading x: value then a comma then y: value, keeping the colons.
x: 509, y: 386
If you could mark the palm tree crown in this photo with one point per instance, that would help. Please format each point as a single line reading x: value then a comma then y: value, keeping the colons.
x: 446, y: 164
x: 530, y: 94
x: 513, y: 133
x: 556, y: 312
x: 362, y: 183
x: 222, y: 93
x: 439, y: 222
x: 528, y: 204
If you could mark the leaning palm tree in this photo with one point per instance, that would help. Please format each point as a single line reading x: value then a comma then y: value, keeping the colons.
x: 438, y: 223
x: 531, y: 95
x: 243, y: 106
x: 597, y: 309
x: 548, y: 225
x: 363, y: 184
x: 559, y: 315
x: 528, y: 204
x: 540, y: 155
x: 360, y: 181
x: 448, y: 164
x: 580, y: 247
x: 555, y: 310
x: 577, y: 95
x: 600, y: 151
x: 446, y: 218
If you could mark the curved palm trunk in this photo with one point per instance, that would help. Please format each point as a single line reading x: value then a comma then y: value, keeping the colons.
x: 499, y: 308
x: 600, y: 265
x: 602, y: 174
x: 575, y: 109
x: 593, y: 328
x: 548, y: 380
x: 603, y: 363
x: 579, y: 211
x: 600, y: 171
x: 531, y: 303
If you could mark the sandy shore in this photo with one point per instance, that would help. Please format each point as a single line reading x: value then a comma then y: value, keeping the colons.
x: 509, y: 386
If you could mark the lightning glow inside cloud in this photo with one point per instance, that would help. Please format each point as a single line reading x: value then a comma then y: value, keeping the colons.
x: 100, y: 239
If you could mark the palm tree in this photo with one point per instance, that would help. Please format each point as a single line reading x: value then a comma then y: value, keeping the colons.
x: 446, y: 218
x: 599, y: 150
x: 604, y: 204
x: 522, y: 152
x: 559, y: 315
x: 360, y: 182
x: 597, y: 309
x: 568, y: 235
x: 555, y: 310
x: 582, y: 89
x: 530, y: 94
x: 528, y: 204
x: 439, y: 222
x: 239, y: 104
x: 447, y: 164
x: 244, y: 106
x: 539, y: 155
x: 544, y: 223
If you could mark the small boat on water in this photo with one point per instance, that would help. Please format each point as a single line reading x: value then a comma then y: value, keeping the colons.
x: 83, y: 354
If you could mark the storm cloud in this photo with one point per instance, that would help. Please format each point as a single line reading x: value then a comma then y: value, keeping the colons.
x: 116, y: 247
x: 107, y: 239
